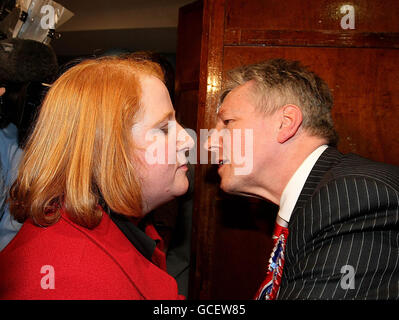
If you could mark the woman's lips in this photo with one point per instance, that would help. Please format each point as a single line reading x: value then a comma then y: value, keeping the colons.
x: 182, y: 167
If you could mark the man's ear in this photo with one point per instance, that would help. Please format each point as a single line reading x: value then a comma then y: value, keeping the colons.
x: 291, y: 120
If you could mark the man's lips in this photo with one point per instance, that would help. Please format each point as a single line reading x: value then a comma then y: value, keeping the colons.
x: 222, y: 162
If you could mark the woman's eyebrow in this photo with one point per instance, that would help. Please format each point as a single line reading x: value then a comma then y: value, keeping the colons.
x: 168, y: 116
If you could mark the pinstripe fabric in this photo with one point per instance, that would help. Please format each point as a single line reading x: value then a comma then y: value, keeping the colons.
x: 347, y: 214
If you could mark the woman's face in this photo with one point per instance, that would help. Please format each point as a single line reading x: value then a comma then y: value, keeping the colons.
x: 161, y: 164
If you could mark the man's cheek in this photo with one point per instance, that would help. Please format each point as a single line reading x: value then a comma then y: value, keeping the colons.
x: 243, y: 151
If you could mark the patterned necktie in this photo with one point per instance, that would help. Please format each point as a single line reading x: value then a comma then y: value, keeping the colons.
x: 270, y: 286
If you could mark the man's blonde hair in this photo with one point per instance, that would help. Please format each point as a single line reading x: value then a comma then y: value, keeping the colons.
x: 279, y: 82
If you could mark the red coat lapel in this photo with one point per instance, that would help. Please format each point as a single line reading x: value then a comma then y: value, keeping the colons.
x: 150, y: 280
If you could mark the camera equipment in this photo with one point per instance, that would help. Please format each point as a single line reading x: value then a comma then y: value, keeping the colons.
x: 24, y: 66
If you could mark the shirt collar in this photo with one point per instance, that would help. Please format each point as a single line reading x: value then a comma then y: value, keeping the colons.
x: 294, y: 186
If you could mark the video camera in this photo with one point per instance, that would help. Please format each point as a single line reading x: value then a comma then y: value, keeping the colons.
x: 28, y: 64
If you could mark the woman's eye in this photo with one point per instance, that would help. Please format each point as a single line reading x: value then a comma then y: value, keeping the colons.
x: 165, y: 129
x: 226, y: 122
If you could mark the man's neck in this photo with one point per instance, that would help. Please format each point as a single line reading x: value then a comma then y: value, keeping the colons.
x: 290, y: 160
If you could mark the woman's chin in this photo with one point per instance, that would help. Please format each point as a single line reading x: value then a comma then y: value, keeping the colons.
x: 178, y: 189
x: 181, y: 187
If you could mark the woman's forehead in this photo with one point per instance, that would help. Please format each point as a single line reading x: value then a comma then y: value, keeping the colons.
x: 155, y: 100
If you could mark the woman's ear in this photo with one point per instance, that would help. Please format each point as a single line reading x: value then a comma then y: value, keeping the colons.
x: 291, y: 120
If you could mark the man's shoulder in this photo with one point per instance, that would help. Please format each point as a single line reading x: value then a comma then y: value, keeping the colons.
x: 357, y: 167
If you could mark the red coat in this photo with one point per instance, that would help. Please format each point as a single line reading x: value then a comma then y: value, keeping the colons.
x: 67, y: 261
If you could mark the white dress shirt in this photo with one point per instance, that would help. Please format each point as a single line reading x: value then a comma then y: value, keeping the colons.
x: 295, y: 185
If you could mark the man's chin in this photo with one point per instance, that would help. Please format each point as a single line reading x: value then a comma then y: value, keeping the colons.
x: 236, y: 189
x: 231, y: 184
x: 228, y: 187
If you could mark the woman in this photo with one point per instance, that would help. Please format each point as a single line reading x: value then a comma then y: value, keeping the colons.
x: 85, y: 183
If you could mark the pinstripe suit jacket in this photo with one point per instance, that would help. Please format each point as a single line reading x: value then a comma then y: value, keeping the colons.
x: 344, y: 232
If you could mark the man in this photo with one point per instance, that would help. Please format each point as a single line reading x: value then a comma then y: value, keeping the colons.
x: 337, y: 229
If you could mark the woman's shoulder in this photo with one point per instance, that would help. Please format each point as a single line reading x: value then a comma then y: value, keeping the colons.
x: 97, y: 263
x: 64, y: 236
x: 69, y: 257
x: 32, y: 235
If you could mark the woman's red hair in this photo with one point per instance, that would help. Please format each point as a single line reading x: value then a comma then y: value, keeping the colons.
x: 81, y: 148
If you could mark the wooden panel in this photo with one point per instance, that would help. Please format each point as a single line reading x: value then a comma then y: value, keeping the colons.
x: 189, y: 45
x: 365, y: 85
x: 187, y: 83
x: 187, y: 100
x: 242, y: 244
x: 188, y: 64
x: 204, y: 213
x: 311, y: 38
x: 370, y: 15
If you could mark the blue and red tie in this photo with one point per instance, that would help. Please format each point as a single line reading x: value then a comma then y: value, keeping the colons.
x: 270, y: 286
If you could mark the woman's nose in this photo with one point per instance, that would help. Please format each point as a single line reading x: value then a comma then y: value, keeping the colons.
x: 185, y: 140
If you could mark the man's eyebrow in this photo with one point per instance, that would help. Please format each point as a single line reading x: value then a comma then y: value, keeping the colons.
x: 225, y: 111
x: 219, y: 112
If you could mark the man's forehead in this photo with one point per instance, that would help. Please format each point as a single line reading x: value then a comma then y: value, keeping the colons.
x: 242, y: 92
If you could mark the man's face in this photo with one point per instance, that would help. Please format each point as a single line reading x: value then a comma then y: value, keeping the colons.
x: 238, y: 111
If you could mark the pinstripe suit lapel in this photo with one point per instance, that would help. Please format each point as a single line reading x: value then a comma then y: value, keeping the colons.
x: 297, y: 224
x: 329, y: 158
